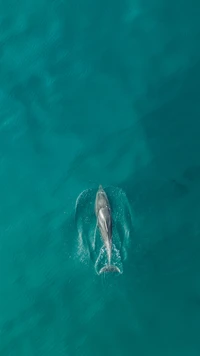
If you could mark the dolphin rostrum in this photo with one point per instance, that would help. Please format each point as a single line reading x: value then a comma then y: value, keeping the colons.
x: 104, y: 222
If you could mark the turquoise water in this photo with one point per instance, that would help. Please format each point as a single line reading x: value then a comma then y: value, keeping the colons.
x: 99, y: 92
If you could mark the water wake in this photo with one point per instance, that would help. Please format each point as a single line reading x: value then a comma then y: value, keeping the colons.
x: 90, y: 245
x: 102, y: 265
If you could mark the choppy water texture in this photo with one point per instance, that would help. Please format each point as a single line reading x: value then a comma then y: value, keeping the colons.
x: 99, y: 92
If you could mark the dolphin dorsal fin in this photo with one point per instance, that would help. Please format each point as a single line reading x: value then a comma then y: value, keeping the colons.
x: 104, y: 220
x: 106, y: 225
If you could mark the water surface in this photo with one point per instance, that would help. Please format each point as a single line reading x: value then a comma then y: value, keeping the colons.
x: 99, y: 93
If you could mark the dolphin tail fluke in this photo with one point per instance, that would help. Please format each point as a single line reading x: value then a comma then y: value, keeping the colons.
x: 109, y: 264
x: 109, y: 268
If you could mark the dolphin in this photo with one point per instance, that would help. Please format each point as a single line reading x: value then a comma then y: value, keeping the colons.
x: 104, y: 223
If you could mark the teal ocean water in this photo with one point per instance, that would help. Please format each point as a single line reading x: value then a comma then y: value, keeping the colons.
x: 99, y: 92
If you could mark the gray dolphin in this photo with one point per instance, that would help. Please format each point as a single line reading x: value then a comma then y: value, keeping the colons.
x: 104, y: 222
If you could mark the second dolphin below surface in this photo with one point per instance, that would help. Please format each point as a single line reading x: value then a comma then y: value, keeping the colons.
x: 104, y: 221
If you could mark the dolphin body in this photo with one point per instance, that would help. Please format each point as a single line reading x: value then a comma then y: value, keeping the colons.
x: 104, y: 222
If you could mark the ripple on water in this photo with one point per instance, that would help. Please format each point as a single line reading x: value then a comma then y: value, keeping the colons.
x: 90, y: 246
